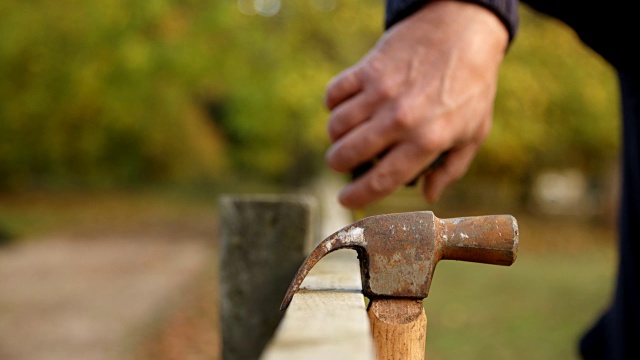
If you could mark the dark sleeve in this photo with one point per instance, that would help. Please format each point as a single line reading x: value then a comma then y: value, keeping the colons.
x: 610, y: 29
x: 506, y: 10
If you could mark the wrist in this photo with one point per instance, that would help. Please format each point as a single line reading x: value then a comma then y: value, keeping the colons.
x: 506, y: 11
x: 456, y: 24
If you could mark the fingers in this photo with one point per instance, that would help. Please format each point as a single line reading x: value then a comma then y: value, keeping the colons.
x: 394, y: 170
x: 349, y: 114
x: 342, y: 87
x: 367, y: 141
x: 362, y: 144
x: 453, y: 168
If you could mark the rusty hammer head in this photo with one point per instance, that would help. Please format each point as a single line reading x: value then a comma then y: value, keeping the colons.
x: 398, y: 252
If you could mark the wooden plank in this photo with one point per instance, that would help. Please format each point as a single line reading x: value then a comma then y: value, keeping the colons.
x: 327, y: 318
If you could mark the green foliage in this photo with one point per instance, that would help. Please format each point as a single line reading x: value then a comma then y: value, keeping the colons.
x: 275, y: 71
x: 100, y: 93
x: 114, y: 91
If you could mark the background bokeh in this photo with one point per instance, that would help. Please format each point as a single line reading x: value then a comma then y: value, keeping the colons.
x: 122, y: 121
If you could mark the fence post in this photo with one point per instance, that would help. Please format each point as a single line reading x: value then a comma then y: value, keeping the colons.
x: 264, y: 239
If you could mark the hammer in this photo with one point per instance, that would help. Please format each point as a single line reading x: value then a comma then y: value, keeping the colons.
x: 398, y: 254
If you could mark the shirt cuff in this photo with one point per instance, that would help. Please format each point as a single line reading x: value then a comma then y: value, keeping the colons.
x: 505, y: 10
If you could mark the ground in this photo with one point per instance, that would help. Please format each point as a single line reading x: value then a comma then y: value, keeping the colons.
x: 111, y: 276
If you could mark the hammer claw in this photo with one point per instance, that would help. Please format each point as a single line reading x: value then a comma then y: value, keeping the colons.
x: 350, y: 237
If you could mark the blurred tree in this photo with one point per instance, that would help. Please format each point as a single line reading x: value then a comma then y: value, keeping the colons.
x: 100, y: 93
x: 275, y: 71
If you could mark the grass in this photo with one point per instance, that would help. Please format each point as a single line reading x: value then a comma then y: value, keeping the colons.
x: 536, y: 309
x: 28, y: 215
x: 33, y: 215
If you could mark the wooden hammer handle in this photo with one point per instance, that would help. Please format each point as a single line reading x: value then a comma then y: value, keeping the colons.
x: 399, y: 328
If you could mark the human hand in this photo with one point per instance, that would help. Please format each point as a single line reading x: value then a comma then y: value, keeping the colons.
x: 426, y: 88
